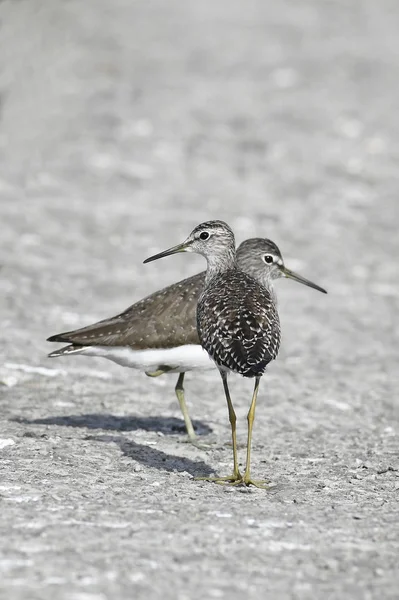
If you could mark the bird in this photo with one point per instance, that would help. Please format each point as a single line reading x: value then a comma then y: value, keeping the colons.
x: 237, y: 322
x: 158, y: 334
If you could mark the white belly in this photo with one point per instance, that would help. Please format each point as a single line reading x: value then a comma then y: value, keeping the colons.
x: 179, y: 360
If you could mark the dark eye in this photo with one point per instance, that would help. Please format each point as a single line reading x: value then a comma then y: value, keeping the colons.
x: 268, y: 258
x: 204, y: 235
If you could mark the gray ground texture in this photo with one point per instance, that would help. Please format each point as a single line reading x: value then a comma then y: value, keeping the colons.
x: 124, y: 124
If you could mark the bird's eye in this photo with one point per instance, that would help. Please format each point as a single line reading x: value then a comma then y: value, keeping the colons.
x: 204, y: 235
x: 268, y: 258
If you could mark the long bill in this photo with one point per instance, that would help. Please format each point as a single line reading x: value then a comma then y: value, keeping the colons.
x: 291, y: 275
x: 179, y: 248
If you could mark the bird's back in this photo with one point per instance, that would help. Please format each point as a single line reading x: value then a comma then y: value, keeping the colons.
x: 238, y: 323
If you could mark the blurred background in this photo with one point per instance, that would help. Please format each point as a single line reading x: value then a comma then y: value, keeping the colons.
x: 125, y: 123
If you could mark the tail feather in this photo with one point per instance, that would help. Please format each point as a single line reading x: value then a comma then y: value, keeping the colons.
x: 70, y: 349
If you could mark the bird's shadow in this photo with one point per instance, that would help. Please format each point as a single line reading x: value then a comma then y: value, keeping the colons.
x: 151, y: 457
x: 108, y: 422
x: 142, y: 453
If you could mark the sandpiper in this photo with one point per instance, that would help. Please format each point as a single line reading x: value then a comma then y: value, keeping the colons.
x: 158, y: 334
x: 237, y: 322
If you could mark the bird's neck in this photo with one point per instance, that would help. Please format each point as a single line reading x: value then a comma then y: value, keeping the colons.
x: 220, y: 264
x: 264, y: 279
x: 267, y: 282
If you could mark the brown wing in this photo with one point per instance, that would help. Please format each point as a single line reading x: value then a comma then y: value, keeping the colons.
x: 164, y: 319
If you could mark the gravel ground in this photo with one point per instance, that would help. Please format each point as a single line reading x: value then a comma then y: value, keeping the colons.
x: 123, y: 125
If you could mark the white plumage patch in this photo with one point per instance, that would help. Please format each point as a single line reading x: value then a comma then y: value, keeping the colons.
x: 181, y: 359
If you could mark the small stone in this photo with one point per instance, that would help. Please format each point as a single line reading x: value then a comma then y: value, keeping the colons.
x: 6, y: 442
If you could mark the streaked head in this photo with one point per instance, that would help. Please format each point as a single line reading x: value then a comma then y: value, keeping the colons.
x: 262, y: 259
x: 212, y: 239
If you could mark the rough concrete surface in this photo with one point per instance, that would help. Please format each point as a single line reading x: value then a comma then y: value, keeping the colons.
x: 125, y: 123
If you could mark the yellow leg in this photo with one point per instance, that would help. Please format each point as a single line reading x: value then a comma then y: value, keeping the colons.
x: 251, y: 417
x: 233, y: 421
x: 236, y: 477
x: 179, y: 389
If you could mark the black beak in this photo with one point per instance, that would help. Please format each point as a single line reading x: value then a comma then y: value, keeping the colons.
x: 291, y: 275
x: 179, y: 248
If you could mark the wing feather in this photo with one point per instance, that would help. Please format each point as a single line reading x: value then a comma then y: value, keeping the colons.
x: 164, y: 319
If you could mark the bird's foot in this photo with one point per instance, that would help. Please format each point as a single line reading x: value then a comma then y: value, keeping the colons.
x: 197, y: 443
x: 247, y: 481
x: 233, y: 479
x: 258, y: 483
x: 155, y: 373
x: 237, y: 479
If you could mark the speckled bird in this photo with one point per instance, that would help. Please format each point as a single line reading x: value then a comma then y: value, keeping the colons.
x: 158, y: 334
x: 237, y: 321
